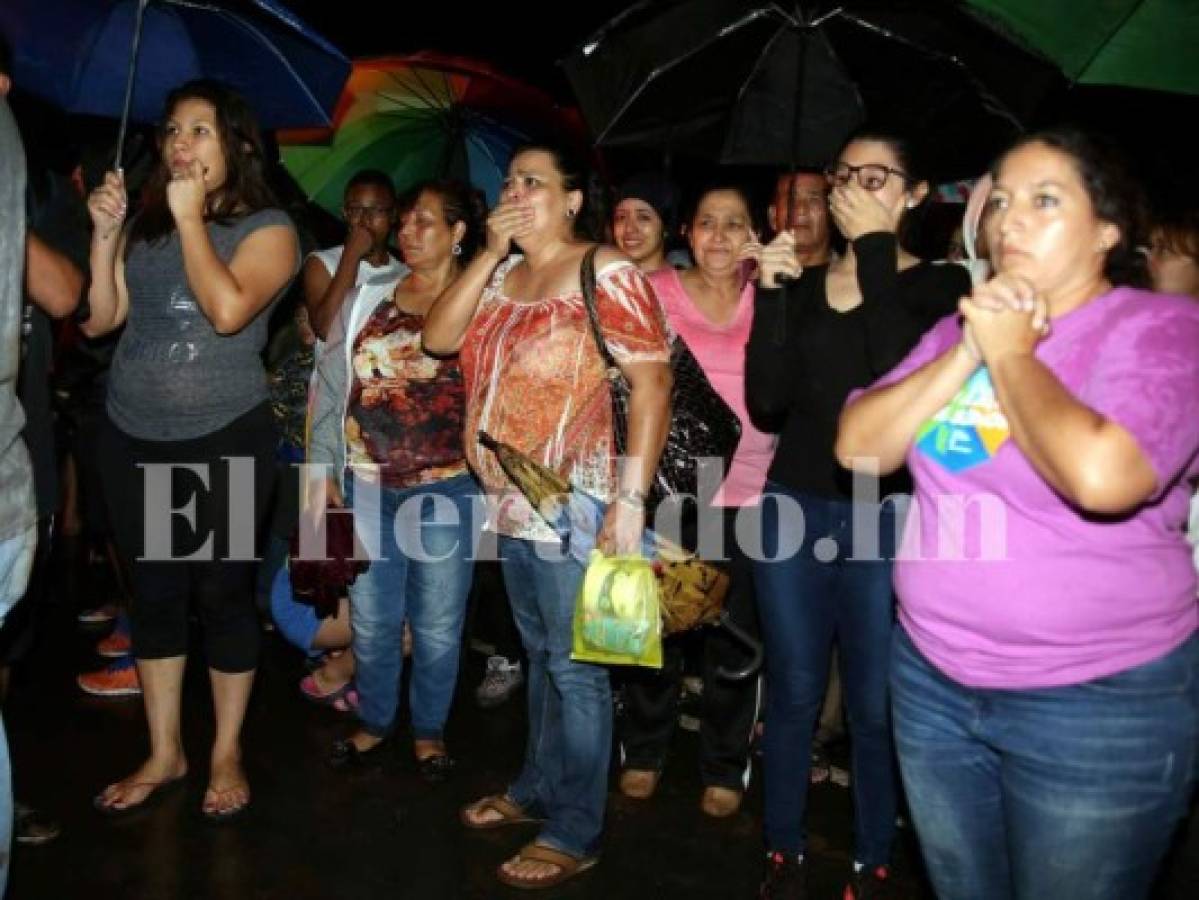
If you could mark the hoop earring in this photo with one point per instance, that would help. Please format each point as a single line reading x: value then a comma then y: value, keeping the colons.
x: 456, y: 250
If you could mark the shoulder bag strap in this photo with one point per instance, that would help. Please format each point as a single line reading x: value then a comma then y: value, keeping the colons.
x: 587, y: 282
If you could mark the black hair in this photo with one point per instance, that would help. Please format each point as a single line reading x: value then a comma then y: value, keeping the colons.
x: 656, y: 190
x: 246, y: 189
x: 711, y: 186
x: 1178, y: 225
x: 372, y: 178
x: 911, y: 162
x: 460, y: 203
x: 590, y: 218
x: 1115, y: 195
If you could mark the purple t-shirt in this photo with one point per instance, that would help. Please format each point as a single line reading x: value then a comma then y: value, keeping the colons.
x: 1003, y: 584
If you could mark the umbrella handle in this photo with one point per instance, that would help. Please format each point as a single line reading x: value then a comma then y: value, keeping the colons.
x: 137, y: 40
x: 745, y: 639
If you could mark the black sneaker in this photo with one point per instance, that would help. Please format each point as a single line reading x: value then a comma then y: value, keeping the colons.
x: 786, y: 878
x: 870, y: 884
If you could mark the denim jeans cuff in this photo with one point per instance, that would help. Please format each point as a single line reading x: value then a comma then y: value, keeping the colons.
x: 531, y: 805
x: 378, y: 731
x: 427, y: 734
x: 643, y: 763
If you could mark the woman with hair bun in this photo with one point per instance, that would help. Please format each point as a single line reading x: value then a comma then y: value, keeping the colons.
x: 1045, y: 671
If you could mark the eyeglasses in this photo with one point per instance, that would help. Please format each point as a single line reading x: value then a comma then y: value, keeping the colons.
x: 871, y: 176
x: 370, y: 212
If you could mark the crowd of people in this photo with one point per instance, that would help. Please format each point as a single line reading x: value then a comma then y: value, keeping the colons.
x: 961, y: 491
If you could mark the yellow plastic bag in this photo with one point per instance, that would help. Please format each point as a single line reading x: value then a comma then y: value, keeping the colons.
x: 617, y: 618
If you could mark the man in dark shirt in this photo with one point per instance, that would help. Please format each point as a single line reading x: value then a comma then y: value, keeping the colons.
x: 800, y: 206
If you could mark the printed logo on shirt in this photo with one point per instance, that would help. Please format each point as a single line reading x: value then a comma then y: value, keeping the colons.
x: 969, y: 430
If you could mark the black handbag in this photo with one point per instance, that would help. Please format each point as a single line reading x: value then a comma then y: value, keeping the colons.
x: 702, y: 425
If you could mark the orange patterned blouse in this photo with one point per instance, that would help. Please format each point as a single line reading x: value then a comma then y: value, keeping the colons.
x: 535, y: 380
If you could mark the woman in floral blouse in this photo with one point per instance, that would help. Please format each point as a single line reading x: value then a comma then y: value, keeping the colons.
x: 535, y: 379
x: 388, y: 420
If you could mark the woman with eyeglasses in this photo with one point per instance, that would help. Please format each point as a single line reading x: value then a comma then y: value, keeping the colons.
x: 827, y: 542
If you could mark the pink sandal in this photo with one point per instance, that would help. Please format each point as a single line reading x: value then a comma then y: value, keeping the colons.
x: 310, y: 689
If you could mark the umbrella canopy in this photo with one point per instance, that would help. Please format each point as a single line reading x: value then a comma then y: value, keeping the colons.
x: 76, y: 54
x: 422, y: 116
x: 692, y: 591
x: 783, y: 84
x: 1133, y: 43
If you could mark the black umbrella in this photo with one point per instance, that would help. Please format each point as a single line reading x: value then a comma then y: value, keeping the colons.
x: 750, y: 82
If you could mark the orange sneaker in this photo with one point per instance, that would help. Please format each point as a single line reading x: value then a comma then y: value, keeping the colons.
x: 118, y: 679
x: 117, y: 644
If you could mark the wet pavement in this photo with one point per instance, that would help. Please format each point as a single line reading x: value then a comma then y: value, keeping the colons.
x: 382, y: 833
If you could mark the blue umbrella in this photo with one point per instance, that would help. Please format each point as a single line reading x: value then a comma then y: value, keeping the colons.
x: 77, y: 55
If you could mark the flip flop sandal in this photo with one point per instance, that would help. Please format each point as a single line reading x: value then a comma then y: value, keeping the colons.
x: 312, y: 691
x: 158, y: 789
x: 220, y: 816
x: 347, y: 702
x: 568, y: 867
x: 510, y: 813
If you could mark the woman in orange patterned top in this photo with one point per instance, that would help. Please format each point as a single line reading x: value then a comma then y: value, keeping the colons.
x: 535, y: 380
x: 387, y: 419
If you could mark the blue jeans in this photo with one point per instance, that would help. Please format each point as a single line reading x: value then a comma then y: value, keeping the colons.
x: 430, y: 593
x: 805, y: 604
x: 565, y: 773
x: 1055, y: 792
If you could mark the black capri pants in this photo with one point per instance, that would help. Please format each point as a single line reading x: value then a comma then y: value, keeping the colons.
x: 220, y: 583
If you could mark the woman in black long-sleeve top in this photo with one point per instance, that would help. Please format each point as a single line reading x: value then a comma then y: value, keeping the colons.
x: 834, y: 329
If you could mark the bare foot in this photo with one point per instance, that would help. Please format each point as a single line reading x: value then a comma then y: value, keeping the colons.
x: 327, y: 682
x: 483, y: 813
x: 365, y: 741
x: 228, y: 790
x: 530, y: 869
x: 135, y: 789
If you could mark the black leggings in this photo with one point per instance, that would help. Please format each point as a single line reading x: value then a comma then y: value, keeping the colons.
x: 222, y: 587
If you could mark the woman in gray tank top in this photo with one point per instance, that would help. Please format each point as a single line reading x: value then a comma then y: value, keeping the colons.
x: 187, y: 450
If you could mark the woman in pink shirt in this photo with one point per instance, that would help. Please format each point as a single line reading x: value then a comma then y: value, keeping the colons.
x: 1045, y: 674
x: 710, y: 307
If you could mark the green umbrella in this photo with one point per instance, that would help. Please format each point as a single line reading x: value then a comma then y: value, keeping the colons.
x: 1150, y: 44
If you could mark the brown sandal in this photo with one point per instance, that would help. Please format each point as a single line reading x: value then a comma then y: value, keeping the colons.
x: 510, y: 813
x: 568, y: 867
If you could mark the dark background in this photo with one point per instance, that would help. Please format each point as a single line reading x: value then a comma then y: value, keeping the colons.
x: 523, y: 39
x: 527, y: 40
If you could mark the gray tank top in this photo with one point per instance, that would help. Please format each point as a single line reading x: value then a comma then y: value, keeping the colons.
x: 173, y: 376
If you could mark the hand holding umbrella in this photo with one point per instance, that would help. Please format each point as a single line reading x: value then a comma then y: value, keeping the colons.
x: 777, y: 261
x: 108, y: 205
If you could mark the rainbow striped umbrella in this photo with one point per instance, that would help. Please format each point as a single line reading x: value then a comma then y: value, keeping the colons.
x: 423, y: 116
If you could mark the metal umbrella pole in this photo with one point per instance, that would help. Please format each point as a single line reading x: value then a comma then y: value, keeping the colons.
x: 137, y: 40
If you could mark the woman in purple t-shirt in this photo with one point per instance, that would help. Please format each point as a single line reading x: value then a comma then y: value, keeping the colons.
x: 1045, y: 674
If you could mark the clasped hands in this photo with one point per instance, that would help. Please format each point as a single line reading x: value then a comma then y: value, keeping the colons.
x: 1003, y: 317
